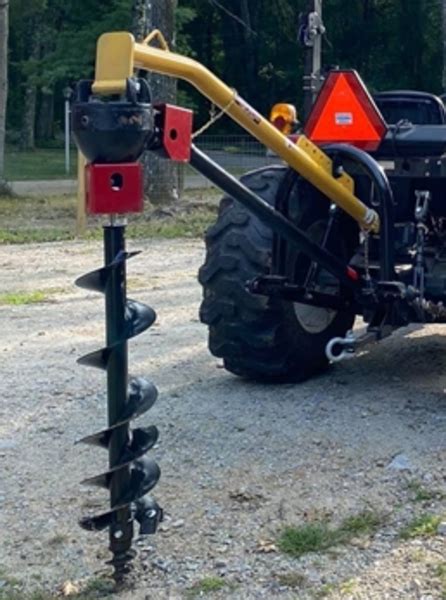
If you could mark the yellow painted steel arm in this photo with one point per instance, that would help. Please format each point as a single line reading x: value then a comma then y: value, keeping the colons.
x: 118, y: 55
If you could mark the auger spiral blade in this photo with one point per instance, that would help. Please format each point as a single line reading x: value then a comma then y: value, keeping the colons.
x: 144, y: 475
x: 146, y: 511
x: 141, y: 396
x: 98, y: 522
x: 139, y: 318
x: 143, y: 439
x: 121, y: 563
x: 97, y: 280
x: 130, y: 474
x: 97, y: 359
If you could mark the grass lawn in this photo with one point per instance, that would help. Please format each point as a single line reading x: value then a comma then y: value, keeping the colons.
x: 40, y: 164
x: 43, y: 164
x: 25, y: 220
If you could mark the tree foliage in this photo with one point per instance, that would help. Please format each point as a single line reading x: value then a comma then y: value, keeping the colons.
x: 251, y: 44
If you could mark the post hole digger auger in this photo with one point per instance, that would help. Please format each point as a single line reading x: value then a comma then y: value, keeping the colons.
x: 299, y: 249
x: 112, y: 136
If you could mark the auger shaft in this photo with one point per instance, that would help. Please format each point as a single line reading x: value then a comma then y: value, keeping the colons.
x: 121, y: 531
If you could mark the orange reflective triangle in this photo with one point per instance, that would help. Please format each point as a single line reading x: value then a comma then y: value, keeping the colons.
x: 345, y: 112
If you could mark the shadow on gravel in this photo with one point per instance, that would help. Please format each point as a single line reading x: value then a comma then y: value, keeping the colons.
x: 418, y: 362
x: 415, y: 360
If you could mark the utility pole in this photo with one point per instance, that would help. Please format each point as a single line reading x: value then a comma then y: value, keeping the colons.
x: 311, y: 31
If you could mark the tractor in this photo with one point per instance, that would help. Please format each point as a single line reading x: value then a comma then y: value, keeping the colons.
x: 343, y: 228
x: 350, y: 224
x: 270, y: 308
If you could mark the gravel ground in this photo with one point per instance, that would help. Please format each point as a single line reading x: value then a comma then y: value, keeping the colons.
x: 239, y: 460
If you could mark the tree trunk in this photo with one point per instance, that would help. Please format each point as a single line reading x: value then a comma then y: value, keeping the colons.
x: 250, y: 51
x: 411, y: 28
x: 232, y: 41
x: 27, y: 134
x: 4, y: 6
x: 161, y: 175
x: 27, y: 137
x: 45, y: 119
x: 367, y: 37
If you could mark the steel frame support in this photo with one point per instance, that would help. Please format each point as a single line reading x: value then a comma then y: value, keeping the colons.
x: 272, y: 218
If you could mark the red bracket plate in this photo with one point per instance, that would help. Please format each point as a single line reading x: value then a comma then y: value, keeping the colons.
x: 114, y: 188
x: 176, y: 126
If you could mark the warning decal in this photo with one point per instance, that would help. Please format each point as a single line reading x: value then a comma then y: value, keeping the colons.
x: 344, y: 119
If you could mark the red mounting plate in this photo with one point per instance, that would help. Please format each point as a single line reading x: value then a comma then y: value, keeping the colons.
x: 345, y: 112
x: 176, y: 126
x: 114, y: 188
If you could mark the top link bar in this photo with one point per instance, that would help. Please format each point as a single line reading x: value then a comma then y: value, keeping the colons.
x: 118, y: 55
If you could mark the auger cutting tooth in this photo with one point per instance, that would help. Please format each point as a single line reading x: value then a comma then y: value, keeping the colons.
x: 149, y: 515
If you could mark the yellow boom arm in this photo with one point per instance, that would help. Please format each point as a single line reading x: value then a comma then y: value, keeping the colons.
x: 118, y: 55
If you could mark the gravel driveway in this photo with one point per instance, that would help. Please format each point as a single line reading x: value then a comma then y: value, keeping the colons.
x: 239, y: 460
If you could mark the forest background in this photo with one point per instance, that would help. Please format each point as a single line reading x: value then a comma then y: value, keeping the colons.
x: 252, y: 44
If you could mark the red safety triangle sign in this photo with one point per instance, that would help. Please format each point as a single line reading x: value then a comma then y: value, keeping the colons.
x: 345, y: 112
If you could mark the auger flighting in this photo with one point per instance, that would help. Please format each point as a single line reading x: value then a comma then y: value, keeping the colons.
x: 112, y: 135
x: 131, y: 475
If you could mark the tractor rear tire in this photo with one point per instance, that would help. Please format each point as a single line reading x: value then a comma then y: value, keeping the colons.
x: 258, y: 337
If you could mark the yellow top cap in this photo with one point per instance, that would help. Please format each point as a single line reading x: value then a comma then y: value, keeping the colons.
x: 114, y: 62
